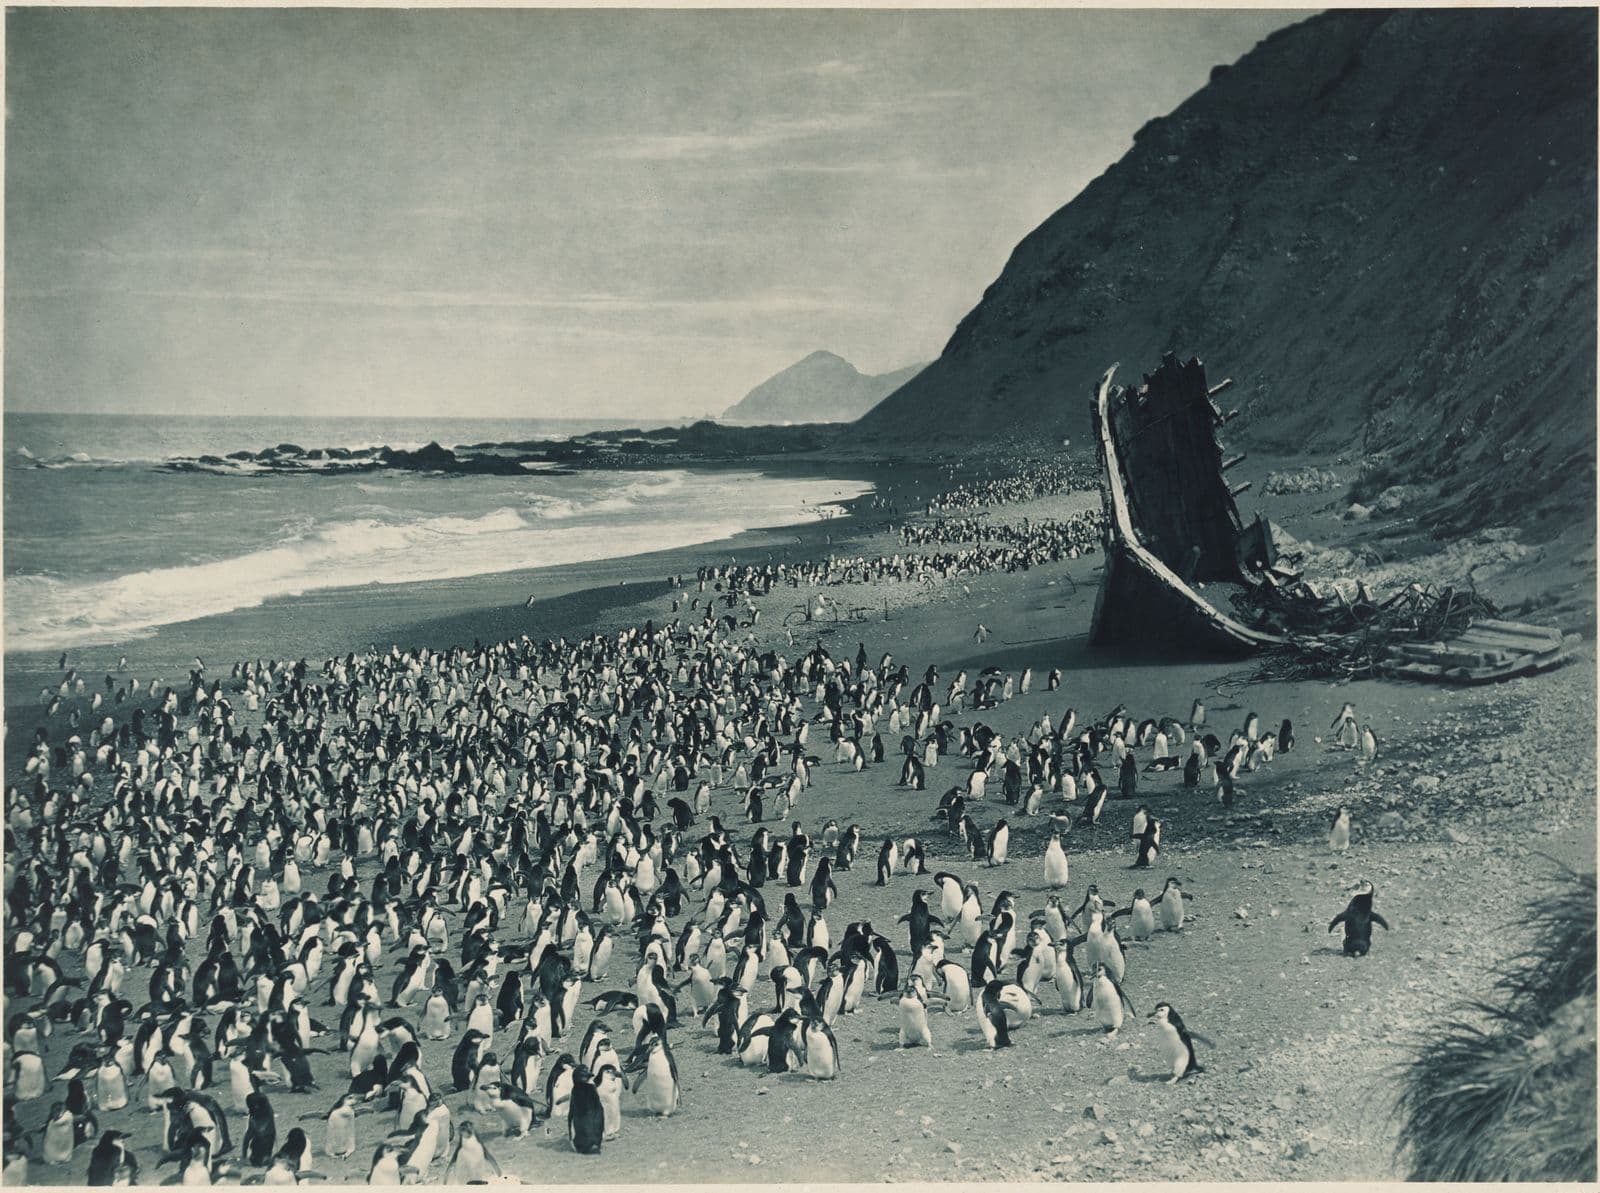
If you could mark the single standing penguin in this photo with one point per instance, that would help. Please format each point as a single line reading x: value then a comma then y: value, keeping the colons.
x: 340, y: 1140
x: 823, y: 889
x: 1339, y: 831
x: 1055, y: 862
x: 1176, y: 1042
x: 1170, y: 900
x: 1068, y: 979
x: 1107, y: 999
x: 1141, y: 916
x: 609, y: 1084
x: 111, y: 1085
x: 888, y: 856
x: 261, y: 1134
x: 109, y: 1158
x: 914, y: 1015
x: 1149, y: 845
x: 821, y: 1050
x: 658, y: 1083
x: 1358, y: 918
x: 586, y: 1117
x: 999, y: 842
x: 60, y: 1135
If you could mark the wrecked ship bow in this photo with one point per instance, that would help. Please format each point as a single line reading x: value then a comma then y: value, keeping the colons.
x: 1184, y: 573
x: 1172, y: 527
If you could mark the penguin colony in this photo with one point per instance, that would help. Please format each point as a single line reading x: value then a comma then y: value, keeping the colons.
x: 507, y: 837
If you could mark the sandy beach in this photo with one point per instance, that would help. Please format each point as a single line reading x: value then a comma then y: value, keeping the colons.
x: 1454, y: 822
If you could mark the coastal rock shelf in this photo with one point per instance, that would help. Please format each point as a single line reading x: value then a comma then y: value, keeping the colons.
x: 701, y: 442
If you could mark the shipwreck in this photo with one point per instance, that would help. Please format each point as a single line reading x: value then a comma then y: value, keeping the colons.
x: 1185, y: 574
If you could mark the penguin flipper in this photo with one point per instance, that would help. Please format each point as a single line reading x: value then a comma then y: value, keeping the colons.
x: 1380, y: 921
x: 1336, y: 921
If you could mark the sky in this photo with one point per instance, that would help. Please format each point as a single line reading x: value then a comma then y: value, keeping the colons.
x: 540, y: 213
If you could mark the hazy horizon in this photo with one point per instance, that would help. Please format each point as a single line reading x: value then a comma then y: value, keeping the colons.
x: 540, y: 213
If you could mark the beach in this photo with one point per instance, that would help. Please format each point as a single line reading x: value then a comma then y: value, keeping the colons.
x: 1452, y: 822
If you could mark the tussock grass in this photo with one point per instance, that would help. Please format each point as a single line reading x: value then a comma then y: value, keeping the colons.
x: 1503, y: 1089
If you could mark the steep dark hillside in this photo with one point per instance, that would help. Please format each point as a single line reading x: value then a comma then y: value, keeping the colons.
x: 1382, y: 225
x: 819, y: 389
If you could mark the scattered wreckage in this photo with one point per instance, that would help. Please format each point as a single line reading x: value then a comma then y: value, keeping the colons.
x: 1185, y: 573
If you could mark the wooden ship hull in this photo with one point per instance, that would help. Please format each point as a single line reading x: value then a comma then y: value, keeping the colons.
x: 1173, y: 533
x: 1177, y: 552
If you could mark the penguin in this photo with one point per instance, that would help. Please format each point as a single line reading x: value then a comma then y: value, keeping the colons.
x: 28, y: 1078
x: 282, y: 1171
x: 823, y: 889
x: 921, y: 922
x: 1094, y: 804
x: 1369, y: 744
x: 1104, y: 946
x: 1068, y: 979
x: 608, y: 1084
x: 1038, y: 960
x: 1339, y: 831
x: 914, y: 1015
x: 1055, y: 863
x: 1170, y: 900
x: 783, y: 1043
x: 658, y: 1078
x: 820, y: 1048
x: 1176, y: 1042
x: 1358, y: 918
x: 515, y: 1109
x: 112, y: 1159
x: 60, y: 1135
x: 614, y: 1000
x: 1141, y: 818
x: 386, y: 1168
x: 956, y: 986
x: 952, y: 894
x: 1141, y: 916
x: 1107, y: 999
x: 527, y: 1062
x: 297, y: 1149
x: 1149, y: 845
x: 999, y: 842
x: 1285, y: 736
x: 435, y: 1016
x: 471, y: 1162
x: 887, y: 859
x: 468, y: 1056
x: 991, y: 1018
x: 1192, y: 765
x: 600, y: 954
x: 261, y: 1134
x: 340, y: 1140
x: 111, y: 1085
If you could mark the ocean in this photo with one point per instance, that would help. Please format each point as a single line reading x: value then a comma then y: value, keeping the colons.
x: 102, y: 546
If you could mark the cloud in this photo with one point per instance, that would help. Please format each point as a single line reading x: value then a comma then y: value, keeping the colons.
x: 780, y: 302
x: 763, y: 135
x: 833, y: 68
x: 778, y: 130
